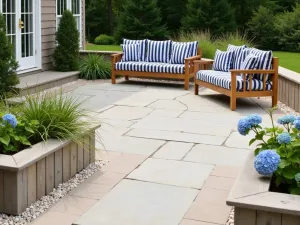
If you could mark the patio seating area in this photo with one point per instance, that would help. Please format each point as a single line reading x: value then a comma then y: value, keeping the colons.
x: 165, y: 146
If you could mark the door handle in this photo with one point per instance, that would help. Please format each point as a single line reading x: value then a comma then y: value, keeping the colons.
x: 21, y: 24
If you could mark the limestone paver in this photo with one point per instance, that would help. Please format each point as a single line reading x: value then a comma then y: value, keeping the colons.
x: 236, y: 140
x: 50, y: 218
x: 177, y: 136
x: 128, y: 144
x: 125, y: 113
x: 140, y: 203
x: 226, y: 171
x: 183, y: 125
x: 193, y: 222
x: 165, y: 113
x: 90, y: 190
x: 177, y: 173
x: 217, y: 155
x: 167, y: 104
x: 73, y: 205
x: 220, y: 183
x: 213, y: 196
x: 121, y: 87
x: 106, y: 178
x: 173, y: 150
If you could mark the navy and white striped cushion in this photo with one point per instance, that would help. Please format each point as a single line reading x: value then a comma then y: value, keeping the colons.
x: 194, y: 46
x: 250, y: 63
x: 180, y: 52
x: 265, y: 60
x: 222, y: 61
x: 238, y: 56
x: 143, y: 46
x: 223, y: 79
x: 158, y: 51
x: 151, y: 67
x: 131, y: 52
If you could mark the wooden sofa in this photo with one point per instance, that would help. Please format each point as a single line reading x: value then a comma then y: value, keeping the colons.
x: 245, y: 86
x: 186, y: 76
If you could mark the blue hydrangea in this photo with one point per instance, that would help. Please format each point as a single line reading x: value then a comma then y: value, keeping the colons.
x: 10, y: 119
x: 297, y: 124
x: 284, y: 138
x: 243, y: 126
x: 286, y: 119
x: 266, y: 162
x: 254, y: 119
x: 297, y: 177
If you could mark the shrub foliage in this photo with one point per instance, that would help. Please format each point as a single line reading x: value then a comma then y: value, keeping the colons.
x: 104, y: 39
x: 95, y: 67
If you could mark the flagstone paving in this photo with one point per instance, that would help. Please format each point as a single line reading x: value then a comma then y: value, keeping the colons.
x: 173, y: 157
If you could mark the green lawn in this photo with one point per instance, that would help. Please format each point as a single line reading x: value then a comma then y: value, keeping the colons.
x: 103, y: 47
x: 289, y: 60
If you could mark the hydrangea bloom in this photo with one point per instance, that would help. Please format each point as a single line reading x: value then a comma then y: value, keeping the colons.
x: 297, y: 177
x: 284, y: 138
x: 297, y: 124
x: 286, y: 119
x: 266, y: 162
x: 10, y: 119
x: 243, y: 126
x: 254, y: 119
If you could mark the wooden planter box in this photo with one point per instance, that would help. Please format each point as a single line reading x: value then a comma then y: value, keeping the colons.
x: 30, y: 174
x: 256, y: 205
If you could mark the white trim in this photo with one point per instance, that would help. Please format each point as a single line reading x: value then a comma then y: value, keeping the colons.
x: 38, y: 39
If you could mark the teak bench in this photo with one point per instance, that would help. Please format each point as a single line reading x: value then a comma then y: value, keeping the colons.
x: 244, y: 93
x: 188, y: 70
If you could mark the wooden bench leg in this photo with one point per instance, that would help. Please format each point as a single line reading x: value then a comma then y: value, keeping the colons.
x: 274, y: 100
x: 186, y: 83
x: 113, y: 78
x: 232, y: 103
x: 196, y: 91
x: 126, y: 78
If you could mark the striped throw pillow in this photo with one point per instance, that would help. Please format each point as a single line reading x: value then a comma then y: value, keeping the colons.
x: 222, y: 61
x: 265, y: 60
x: 158, y: 51
x: 238, y: 56
x: 250, y: 63
x: 194, y: 46
x: 180, y: 52
x: 143, y: 46
x: 131, y: 52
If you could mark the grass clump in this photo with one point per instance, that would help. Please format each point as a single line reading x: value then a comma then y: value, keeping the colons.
x: 95, y: 67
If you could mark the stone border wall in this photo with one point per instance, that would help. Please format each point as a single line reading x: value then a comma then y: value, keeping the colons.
x: 40, y: 169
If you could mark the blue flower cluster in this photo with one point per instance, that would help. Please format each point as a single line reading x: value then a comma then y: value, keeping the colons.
x: 267, y: 162
x: 245, y: 124
x: 284, y: 138
x: 289, y: 119
x: 10, y: 119
x: 297, y: 123
x: 297, y: 177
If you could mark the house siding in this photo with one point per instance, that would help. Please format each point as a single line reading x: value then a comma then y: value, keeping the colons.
x: 48, y: 23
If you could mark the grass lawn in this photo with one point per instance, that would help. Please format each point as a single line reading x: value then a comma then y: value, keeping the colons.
x: 289, y: 60
x: 103, y: 47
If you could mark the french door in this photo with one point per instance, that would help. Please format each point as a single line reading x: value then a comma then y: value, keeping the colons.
x: 20, y: 18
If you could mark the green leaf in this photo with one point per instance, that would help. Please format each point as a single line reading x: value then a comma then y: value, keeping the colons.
x: 256, y: 152
x: 289, y: 173
x: 29, y: 129
x: 5, y: 139
x: 295, y: 191
x: 34, y: 122
x: 252, y: 141
x: 284, y: 163
x: 278, y: 181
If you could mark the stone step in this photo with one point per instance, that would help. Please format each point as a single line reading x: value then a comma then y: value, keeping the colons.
x: 37, y: 82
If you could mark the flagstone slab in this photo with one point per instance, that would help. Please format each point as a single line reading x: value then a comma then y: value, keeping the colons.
x: 171, y: 172
x: 165, y: 113
x: 167, y: 104
x: 177, y: 136
x: 140, y: 203
x: 173, y: 150
x: 217, y: 155
x: 125, y: 113
x: 126, y: 144
x: 183, y: 125
x: 237, y: 140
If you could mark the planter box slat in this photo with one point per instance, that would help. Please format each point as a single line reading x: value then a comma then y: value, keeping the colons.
x: 49, y: 173
x: 1, y: 191
x: 32, y: 184
x: 264, y: 218
x: 73, y: 159
x: 41, y: 178
x: 79, y: 158
x: 92, y: 147
x: 290, y: 220
x: 244, y: 216
x: 22, y: 183
x: 10, y: 191
x: 58, y: 167
x: 67, y: 163
x: 86, y: 152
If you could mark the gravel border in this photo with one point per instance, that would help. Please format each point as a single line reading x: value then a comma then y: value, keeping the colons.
x: 42, y: 205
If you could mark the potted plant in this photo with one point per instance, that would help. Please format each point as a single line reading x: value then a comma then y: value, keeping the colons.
x: 268, y: 189
x: 43, y: 142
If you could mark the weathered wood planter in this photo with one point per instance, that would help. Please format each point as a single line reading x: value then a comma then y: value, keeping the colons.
x: 30, y: 174
x: 256, y: 205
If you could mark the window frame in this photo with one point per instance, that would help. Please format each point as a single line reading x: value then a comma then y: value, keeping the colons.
x: 79, y: 16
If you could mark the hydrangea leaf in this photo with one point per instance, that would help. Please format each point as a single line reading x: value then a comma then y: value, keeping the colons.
x: 252, y: 141
x: 289, y: 173
x: 284, y: 163
x: 5, y: 139
x: 295, y: 191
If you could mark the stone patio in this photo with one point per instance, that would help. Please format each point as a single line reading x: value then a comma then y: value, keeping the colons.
x: 173, y: 157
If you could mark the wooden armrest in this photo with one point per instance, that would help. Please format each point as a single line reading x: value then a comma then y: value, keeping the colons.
x: 265, y: 72
x: 116, y: 57
x: 204, y: 61
x: 193, y: 58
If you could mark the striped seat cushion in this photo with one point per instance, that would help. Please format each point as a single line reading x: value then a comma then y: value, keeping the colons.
x: 223, y: 79
x: 180, y: 52
x: 131, y: 52
x: 239, y: 54
x: 158, y: 51
x: 150, y: 67
x: 265, y: 60
x: 143, y: 45
x: 222, y: 61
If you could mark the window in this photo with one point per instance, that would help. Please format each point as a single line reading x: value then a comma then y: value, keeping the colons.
x: 75, y: 7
